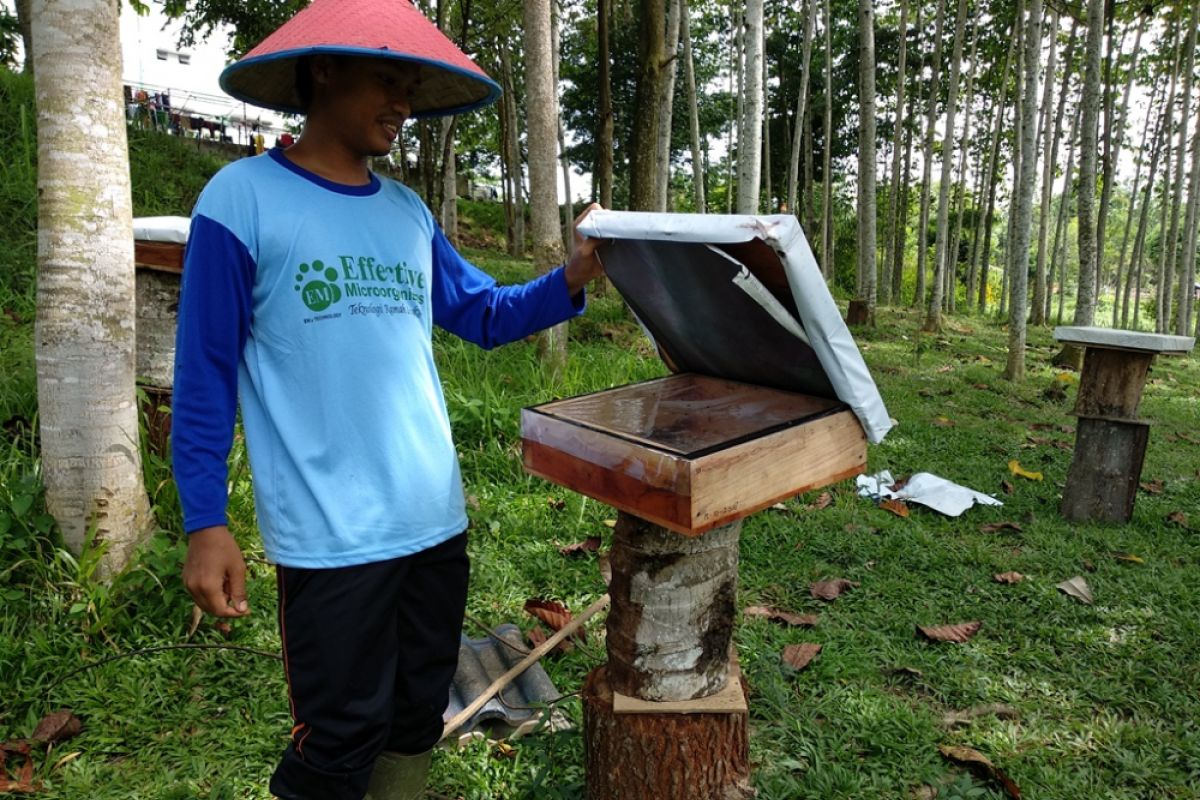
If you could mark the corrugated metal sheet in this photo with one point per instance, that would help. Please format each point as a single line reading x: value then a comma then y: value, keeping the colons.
x: 518, y: 708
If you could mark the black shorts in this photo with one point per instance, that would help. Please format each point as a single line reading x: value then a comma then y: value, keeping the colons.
x: 370, y: 653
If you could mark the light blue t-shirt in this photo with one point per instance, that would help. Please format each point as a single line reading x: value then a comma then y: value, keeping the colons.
x: 313, y: 303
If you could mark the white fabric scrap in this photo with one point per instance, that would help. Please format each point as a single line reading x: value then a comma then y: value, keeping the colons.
x: 927, y: 489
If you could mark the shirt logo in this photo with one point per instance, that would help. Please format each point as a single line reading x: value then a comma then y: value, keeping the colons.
x: 317, y: 285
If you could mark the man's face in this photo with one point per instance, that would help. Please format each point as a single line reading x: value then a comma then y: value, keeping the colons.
x: 364, y: 99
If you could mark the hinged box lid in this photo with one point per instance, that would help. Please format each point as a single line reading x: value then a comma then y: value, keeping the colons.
x: 737, y: 297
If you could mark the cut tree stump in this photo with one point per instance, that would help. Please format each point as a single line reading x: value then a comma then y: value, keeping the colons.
x: 669, y: 756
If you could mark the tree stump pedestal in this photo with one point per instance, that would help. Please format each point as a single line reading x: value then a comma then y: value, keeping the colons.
x: 1110, y: 441
x: 666, y: 717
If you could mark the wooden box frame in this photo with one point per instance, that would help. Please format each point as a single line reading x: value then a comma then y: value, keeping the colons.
x: 716, y: 451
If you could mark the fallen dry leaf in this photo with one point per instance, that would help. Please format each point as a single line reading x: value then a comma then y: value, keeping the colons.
x: 944, y: 422
x: 1006, y: 487
x: 924, y: 792
x: 897, y: 507
x: 960, y: 633
x: 981, y: 766
x: 993, y: 527
x: 197, y: 616
x: 1152, y: 487
x: 900, y: 483
x: 55, y: 727
x: 1008, y: 577
x: 1078, y: 588
x: 980, y: 386
x: 21, y: 779
x: 781, y: 615
x: 1129, y: 557
x: 1179, y: 518
x: 67, y: 759
x: 797, y: 656
x: 553, y: 614
x: 825, y: 500
x: 829, y: 590
x: 588, y: 545
x: 1015, y: 468
x: 537, y: 637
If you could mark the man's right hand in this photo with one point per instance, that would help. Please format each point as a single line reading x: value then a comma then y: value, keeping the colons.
x: 215, y: 572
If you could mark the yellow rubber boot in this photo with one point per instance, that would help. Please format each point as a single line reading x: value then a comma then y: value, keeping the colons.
x: 399, y: 777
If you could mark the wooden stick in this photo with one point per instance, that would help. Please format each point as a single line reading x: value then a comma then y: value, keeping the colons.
x: 497, y: 685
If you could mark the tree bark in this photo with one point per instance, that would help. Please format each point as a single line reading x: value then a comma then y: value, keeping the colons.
x: 689, y: 74
x: 1187, y: 263
x: 85, y: 342
x: 515, y: 208
x: 1041, y: 300
x: 960, y: 201
x: 927, y: 157
x: 449, y: 216
x: 23, y: 19
x: 866, y: 157
x: 1114, y: 135
x: 933, y: 316
x: 1135, y: 263
x: 1057, y: 252
x: 1121, y: 272
x: 827, y: 237
x: 651, y: 57
x: 1085, y: 303
x: 809, y: 10
x: 985, y: 255
x: 749, y: 181
x: 895, y: 217
x: 665, y: 108
x: 1162, y: 294
x: 568, y: 217
x: 604, y: 136
x: 541, y: 112
x: 901, y: 243
x: 1019, y: 302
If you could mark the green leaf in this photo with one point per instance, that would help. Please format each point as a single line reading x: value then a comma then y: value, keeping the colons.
x: 21, y: 504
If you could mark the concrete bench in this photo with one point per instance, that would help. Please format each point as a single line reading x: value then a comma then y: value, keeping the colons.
x: 1110, y: 440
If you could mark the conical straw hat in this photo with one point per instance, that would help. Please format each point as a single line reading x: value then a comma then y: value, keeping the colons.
x: 450, y: 82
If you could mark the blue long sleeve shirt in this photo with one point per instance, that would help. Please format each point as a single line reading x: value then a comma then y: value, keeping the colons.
x: 313, y: 303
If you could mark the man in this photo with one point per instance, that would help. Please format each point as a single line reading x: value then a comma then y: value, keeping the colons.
x: 310, y: 289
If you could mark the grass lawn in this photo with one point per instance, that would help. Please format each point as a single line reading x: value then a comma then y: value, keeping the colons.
x: 1070, y: 700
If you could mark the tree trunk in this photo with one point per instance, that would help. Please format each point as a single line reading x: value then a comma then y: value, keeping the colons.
x: 568, y: 218
x: 1058, y: 256
x: 927, y: 157
x: 449, y: 182
x: 809, y: 192
x: 1162, y: 299
x: 768, y: 194
x: 985, y: 254
x: 604, y: 137
x: 1187, y: 262
x: 651, y: 58
x: 512, y: 150
x: 1085, y: 303
x: 827, y: 255
x: 895, y: 217
x: 689, y: 74
x: 1113, y: 140
x: 1130, y: 212
x: 901, y: 217
x: 866, y: 157
x: 960, y: 200
x: 541, y: 112
x: 1019, y: 303
x: 1139, y: 240
x: 809, y: 10
x: 84, y: 338
x: 665, y: 108
x: 933, y: 317
x: 1041, y: 300
x: 749, y: 178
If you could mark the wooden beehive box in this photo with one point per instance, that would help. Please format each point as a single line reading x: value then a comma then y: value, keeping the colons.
x: 691, y: 452
x: 770, y: 396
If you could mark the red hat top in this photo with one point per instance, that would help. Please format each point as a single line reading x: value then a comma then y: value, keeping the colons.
x: 450, y: 82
